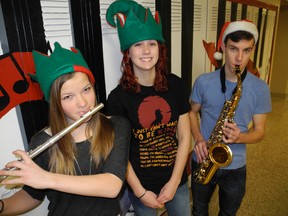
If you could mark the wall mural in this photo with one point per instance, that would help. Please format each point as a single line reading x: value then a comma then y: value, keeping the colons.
x: 16, y: 85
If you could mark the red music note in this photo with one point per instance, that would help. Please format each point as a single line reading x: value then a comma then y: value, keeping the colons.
x: 15, y: 83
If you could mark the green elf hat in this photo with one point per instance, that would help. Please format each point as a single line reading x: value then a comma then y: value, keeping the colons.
x: 61, y: 61
x: 139, y: 23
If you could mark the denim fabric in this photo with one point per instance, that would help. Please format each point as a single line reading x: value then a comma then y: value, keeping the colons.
x: 178, y: 206
x: 232, y: 184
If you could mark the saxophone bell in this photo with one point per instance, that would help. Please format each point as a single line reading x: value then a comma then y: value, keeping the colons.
x: 220, y: 155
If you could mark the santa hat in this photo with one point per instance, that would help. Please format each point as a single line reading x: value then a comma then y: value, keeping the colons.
x: 230, y: 27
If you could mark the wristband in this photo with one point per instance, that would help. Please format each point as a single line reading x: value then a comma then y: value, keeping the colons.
x: 2, y: 208
x: 142, y: 194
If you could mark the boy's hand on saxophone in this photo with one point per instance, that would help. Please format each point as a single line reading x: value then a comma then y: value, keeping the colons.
x: 201, y: 150
x: 231, y: 133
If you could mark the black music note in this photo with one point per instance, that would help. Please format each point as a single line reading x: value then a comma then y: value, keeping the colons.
x: 20, y: 86
x: 4, y: 100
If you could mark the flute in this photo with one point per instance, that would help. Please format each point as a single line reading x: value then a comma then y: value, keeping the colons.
x: 33, y: 153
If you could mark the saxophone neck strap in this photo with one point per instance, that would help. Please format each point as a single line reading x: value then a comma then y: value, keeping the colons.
x: 223, y: 79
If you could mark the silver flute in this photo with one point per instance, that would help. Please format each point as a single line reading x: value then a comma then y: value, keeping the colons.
x: 33, y: 153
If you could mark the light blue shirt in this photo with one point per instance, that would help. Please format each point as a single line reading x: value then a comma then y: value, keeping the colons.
x: 255, y: 99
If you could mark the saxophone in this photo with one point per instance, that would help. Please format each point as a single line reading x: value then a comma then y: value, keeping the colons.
x: 219, y: 154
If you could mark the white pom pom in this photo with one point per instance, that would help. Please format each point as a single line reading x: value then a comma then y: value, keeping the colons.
x: 217, y: 55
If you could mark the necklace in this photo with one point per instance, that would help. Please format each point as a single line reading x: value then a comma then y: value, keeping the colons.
x: 90, y: 166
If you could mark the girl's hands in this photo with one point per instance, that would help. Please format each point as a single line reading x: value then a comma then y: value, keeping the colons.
x: 167, y: 193
x: 150, y: 200
x: 27, y: 172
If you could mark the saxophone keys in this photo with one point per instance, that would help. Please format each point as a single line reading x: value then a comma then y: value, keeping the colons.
x: 202, y: 172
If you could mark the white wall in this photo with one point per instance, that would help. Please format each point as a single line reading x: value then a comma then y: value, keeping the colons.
x: 11, y: 136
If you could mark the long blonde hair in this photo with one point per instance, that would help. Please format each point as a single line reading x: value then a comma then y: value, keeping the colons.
x: 63, y: 153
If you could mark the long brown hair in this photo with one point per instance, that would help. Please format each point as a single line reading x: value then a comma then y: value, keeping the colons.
x: 63, y: 153
x: 129, y: 81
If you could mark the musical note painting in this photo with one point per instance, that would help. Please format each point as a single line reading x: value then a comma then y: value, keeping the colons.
x: 16, y: 86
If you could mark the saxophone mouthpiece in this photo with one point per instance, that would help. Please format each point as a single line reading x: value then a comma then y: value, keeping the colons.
x: 237, y: 69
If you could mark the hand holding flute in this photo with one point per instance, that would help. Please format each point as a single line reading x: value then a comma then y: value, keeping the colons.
x: 24, y: 171
x: 14, y: 171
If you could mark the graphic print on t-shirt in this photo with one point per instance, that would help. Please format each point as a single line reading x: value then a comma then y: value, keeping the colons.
x: 157, y: 137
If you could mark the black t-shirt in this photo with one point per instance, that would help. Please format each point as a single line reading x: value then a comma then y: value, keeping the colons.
x: 70, y: 204
x: 154, y: 117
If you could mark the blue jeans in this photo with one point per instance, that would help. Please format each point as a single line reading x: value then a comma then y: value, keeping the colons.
x: 178, y: 206
x: 231, y: 184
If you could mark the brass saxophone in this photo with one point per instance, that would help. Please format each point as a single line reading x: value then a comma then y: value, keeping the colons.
x: 219, y: 154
